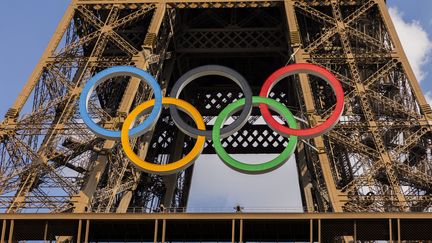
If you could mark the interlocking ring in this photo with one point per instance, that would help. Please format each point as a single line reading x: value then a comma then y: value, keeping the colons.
x: 112, y: 72
x: 173, y: 167
x: 312, y: 70
x: 254, y: 168
x: 207, y: 71
x: 130, y: 131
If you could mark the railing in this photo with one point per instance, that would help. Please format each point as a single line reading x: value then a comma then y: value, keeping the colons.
x: 217, y: 227
x: 215, y: 210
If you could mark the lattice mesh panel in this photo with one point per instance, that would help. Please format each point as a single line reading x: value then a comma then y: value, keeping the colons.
x: 254, y: 137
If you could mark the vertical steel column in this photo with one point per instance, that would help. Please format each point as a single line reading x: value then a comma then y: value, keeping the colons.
x: 132, y: 87
x: 319, y: 230
x: 294, y: 35
x: 398, y: 231
x: 391, y: 230
x: 87, y: 231
x: 46, y: 232
x: 11, y: 230
x: 233, y: 231
x: 241, y: 231
x: 333, y: 193
x: 156, y: 231
x: 355, y: 231
x: 171, y: 180
x: 79, y: 230
x: 311, y: 231
x: 163, y: 230
x: 3, y: 233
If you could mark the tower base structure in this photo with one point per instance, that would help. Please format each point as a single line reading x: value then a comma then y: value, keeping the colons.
x: 377, y: 160
x: 223, y: 227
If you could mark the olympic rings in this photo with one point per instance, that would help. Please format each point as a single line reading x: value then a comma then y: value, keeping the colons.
x: 206, y: 71
x: 173, y: 167
x: 313, y: 70
x: 248, y: 102
x: 254, y: 168
x: 114, y: 72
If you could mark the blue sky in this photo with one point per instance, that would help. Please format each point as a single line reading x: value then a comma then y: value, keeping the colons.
x: 27, y: 27
x: 414, y: 18
x: 25, y: 30
x: 419, y: 10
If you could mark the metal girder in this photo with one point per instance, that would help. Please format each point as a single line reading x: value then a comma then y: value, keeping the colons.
x: 333, y: 30
x: 118, y: 184
x: 48, y: 139
x: 410, y: 141
x: 379, y: 98
x: 384, y: 134
x: 63, y: 119
x: 415, y: 177
x: 367, y: 93
x: 368, y: 39
x: 367, y: 111
x: 310, y: 107
x: 353, y: 144
x: 186, y: 4
x: 314, y: 14
x: 380, y: 73
x: 227, y: 40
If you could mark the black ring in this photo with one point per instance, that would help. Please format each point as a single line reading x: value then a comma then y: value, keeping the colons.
x: 205, y: 71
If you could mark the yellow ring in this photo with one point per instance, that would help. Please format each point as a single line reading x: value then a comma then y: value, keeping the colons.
x: 173, y: 167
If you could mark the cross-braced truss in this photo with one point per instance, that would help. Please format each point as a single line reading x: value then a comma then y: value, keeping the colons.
x: 378, y: 158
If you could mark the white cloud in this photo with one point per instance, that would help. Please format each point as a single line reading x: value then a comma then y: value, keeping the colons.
x: 428, y: 97
x: 217, y: 188
x: 415, y: 41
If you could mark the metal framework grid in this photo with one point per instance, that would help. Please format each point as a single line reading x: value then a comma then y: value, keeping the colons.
x: 378, y: 159
x: 227, y: 227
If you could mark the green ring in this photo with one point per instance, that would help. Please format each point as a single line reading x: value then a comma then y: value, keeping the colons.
x: 254, y: 168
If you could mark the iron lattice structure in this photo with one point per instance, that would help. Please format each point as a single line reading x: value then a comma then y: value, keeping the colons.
x: 379, y: 157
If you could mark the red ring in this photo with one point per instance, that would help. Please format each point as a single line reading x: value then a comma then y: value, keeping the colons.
x: 312, y: 70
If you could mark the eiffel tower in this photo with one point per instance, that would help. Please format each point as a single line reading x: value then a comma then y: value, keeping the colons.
x: 377, y: 159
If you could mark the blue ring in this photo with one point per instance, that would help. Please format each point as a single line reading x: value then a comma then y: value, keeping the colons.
x: 114, y: 72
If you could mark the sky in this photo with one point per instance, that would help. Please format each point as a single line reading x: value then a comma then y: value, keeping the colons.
x: 26, y: 33
x: 27, y: 28
x: 414, y: 18
x: 217, y: 188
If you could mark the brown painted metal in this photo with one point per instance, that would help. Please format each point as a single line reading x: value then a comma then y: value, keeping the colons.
x: 377, y: 159
x: 323, y: 220
x: 214, y: 216
x: 3, y: 233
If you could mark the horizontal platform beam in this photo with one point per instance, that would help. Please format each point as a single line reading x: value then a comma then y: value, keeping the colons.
x: 216, y: 216
x: 217, y: 227
x: 170, y: 1
x: 315, y: 3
